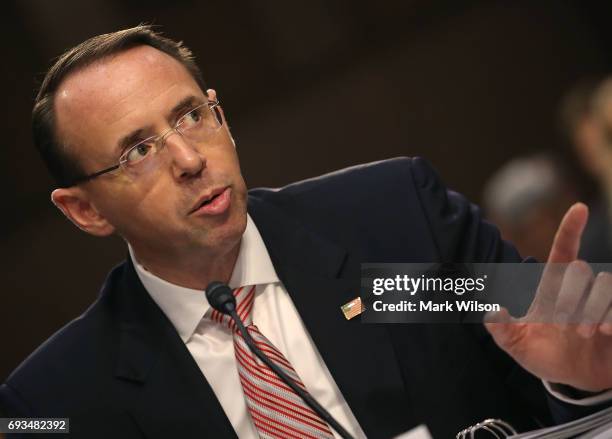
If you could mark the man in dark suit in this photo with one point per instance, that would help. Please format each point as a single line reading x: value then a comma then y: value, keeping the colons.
x: 139, y: 149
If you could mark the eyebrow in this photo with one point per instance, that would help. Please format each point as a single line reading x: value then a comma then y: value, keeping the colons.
x: 182, y: 107
x: 186, y: 104
x: 129, y: 140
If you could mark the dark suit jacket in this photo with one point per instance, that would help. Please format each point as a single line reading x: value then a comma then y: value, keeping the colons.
x: 121, y: 370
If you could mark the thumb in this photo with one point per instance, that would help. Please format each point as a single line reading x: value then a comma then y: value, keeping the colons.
x: 503, y: 328
x: 567, y: 239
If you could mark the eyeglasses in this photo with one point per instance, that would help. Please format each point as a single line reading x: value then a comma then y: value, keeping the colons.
x: 198, y: 125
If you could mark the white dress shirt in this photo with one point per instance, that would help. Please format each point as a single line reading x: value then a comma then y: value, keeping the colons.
x: 274, y: 313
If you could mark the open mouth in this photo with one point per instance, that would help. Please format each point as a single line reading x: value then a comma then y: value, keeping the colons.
x: 217, y: 203
x: 210, y: 200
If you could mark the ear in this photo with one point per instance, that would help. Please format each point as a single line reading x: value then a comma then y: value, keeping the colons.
x: 212, y: 94
x: 75, y: 204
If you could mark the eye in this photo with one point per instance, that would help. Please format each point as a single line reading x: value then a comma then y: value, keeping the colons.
x: 138, y: 153
x: 192, y: 119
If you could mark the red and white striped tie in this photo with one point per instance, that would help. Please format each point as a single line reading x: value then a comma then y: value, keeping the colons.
x: 276, y: 410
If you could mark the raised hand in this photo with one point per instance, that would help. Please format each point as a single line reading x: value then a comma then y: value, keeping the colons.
x: 566, y: 336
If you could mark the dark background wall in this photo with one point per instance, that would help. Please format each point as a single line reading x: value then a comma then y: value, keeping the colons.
x: 308, y: 87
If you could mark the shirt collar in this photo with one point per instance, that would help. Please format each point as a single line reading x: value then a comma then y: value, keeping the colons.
x: 185, y: 307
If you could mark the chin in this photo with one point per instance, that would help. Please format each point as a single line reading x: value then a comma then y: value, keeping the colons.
x: 227, y: 235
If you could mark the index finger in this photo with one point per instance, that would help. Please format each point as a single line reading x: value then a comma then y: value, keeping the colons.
x: 564, y: 250
x: 567, y: 239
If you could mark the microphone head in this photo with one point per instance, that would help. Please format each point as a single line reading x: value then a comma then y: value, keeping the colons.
x: 220, y: 297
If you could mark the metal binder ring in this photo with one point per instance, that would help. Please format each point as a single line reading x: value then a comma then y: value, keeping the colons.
x: 493, y: 426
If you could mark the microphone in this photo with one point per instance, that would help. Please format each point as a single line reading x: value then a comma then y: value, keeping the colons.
x: 220, y: 297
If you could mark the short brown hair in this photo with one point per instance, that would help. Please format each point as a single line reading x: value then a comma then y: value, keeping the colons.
x: 63, y: 166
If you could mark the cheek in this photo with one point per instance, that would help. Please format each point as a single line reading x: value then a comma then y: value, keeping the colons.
x: 224, y: 149
x: 232, y: 163
x: 155, y: 206
x: 139, y: 211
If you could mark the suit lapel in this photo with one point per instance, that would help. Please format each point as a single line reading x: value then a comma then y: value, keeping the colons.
x: 320, y: 277
x: 166, y: 393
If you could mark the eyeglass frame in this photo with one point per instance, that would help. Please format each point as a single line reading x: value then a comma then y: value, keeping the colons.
x: 212, y: 104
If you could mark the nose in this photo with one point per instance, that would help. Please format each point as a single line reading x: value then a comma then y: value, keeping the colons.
x: 187, y: 161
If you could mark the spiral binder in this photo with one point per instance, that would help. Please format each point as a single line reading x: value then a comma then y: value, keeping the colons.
x: 595, y: 426
x: 496, y: 427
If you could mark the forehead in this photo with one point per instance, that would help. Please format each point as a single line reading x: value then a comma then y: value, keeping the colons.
x: 120, y: 90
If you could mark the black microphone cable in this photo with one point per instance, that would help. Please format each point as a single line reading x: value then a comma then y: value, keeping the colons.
x: 220, y: 297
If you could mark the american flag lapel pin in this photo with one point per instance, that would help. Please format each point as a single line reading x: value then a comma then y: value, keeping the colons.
x: 352, y: 308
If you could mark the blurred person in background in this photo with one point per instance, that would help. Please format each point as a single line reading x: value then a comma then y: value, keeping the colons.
x: 596, y: 147
x: 579, y: 138
x: 586, y: 118
x: 526, y: 198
